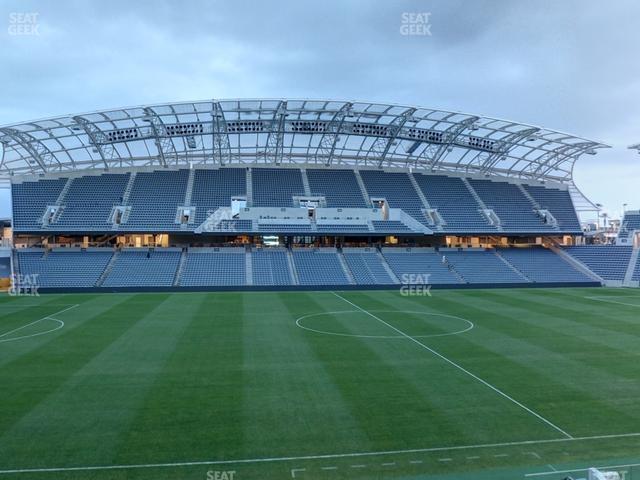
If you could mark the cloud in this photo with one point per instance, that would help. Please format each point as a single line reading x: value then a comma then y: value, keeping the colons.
x: 564, y: 65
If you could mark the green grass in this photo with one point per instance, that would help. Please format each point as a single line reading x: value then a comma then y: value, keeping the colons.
x: 133, y: 379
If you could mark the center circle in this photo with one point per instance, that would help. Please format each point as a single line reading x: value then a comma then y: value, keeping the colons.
x: 356, y: 323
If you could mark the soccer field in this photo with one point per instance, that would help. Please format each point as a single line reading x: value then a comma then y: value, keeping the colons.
x: 318, y: 385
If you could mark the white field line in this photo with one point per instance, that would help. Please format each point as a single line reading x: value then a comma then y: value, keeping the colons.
x: 577, y: 470
x: 605, y: 299
x: 313, y: 457
x: 48, y: 317
x: 60, y: 325
x: 459, y: 367
x: 299, y: 323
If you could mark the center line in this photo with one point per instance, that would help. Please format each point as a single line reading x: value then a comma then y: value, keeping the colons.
x: 459, y: 367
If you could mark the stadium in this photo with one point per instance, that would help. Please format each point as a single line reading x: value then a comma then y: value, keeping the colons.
x: 310, y: 289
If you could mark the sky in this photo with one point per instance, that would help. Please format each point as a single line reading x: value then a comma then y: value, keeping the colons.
x: 570, y: 66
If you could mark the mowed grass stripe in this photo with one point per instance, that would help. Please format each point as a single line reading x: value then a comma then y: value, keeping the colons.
x: 516, y: 354
x: 19, y: 314
x: 507, y: 410
x: 389, y: 410
x: 291, y: 402
x: 468, y: 406
x: 194, y: 408
x: 614, y: 353
x: 254, y: 352
x: 27, y: 378
x: 600, y: 324
x: 553, y: 355
x: 137, y: 356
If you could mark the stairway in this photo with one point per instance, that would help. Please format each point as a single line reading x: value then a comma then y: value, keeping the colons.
x: 181, y: 264
x: 127, y: 190
x: 248, y: 267
x: 488, y: 213
x: 292, y: 268
x: 345, y: 267
x: 452, y: 269
x: 513, y: 268
x: 108, y: 268
x: 363, y: 189
x: 633, y: 261
x: 249, y: 187
x: 63, y: 192
x: 189, y: 192
x: 305, y: 182
x: 387, y: 267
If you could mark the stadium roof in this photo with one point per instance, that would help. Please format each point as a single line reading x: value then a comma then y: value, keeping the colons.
x: 280, y: 132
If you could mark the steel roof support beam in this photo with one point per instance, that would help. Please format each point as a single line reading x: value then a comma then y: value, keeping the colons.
x: 34, y: 147
x: 506, y: 145
x: 275, y: 147
x: 166, y: 149
x: 98, y: 139
x: 435, y: 152
x: 381, y: 145
x: 331, y: 135
x: 220, y: 136
x: 567, y: 153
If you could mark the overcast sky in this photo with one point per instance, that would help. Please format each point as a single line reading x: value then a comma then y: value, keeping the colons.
x: 571, y: 66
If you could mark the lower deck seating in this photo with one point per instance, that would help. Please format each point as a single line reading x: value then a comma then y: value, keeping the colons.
x: 344, y: 228
x: 209, y: 267
x: 482, y: 266
x: 636, y: 272
x: 143, y: 268
x: 366, y: 268
x: 270, y: 267
x: 420, y: 267
x: 610, y: 262
x: 319, y: 267
x: 541, y: 265
x: 73, y: 268
x: 390, y: 226
x: 213, y: 267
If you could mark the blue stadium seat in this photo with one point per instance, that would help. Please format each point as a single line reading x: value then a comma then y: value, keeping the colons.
x: 339, y: 187
x: 89, y: 201
x: 419, y: 265
x: 318, y: 267
x: 270, y: 267
x: 481, y: 266
x: 211, y: 267
x: 455, y: 204
x: 143, y: 267
x: 559, y: 203
x: 276, y: 187
x: 30, y: 201
x: 64, y: 267
x: 541, y: 265
x: 608, y: 261
x: 213, y: 189
x: 397, y: 189
x: 515, y: 211
x: 155, y: 198
x: 366, y: 267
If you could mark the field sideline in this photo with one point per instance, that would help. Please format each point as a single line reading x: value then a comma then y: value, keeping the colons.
x: 314, y: 385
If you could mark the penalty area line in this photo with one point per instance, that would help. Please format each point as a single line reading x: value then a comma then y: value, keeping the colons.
x: 312, y: 457
x: 48, y: 317
x: 459, y: 367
